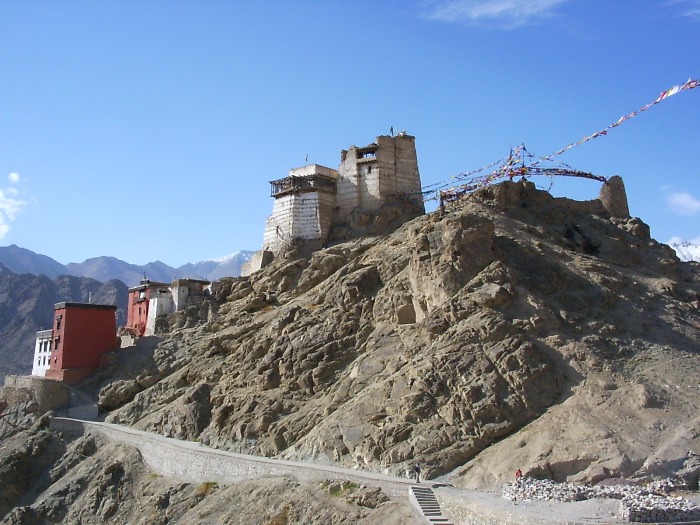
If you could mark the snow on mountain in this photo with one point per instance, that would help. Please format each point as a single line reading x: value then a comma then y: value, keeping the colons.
x: 212, y: 269
x: 685, y: 250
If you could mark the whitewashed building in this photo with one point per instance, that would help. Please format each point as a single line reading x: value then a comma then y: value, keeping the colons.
x: 42, y: 353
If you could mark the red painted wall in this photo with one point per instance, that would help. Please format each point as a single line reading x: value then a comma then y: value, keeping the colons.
x: 81, y: 334
x: 137, y: 309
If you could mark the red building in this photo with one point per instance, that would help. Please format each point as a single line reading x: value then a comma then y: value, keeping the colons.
x: 150, y: 300
x: 82, y: 332
x: 137, y: 308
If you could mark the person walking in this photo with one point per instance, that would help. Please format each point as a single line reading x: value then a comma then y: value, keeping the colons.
x: 416, y: 472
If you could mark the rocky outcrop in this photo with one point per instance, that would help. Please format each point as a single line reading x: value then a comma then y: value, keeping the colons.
x: 510, y: 330
x: 461, y: 330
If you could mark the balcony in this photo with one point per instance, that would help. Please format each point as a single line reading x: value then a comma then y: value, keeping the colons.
x: 305, y: 184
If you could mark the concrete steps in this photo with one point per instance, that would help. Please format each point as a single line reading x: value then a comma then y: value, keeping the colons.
x: 423, y: 498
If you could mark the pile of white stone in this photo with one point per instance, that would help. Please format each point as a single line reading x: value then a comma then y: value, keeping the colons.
x: 651, y: 508
x: 647, y: 504
x: 530, y: 489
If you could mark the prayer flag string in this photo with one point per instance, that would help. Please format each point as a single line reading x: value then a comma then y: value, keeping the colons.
x: 690, y: 84
x: 515, y: 164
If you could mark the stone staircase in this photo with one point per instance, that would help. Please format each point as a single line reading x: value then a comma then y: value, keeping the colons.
x: 423, y: 498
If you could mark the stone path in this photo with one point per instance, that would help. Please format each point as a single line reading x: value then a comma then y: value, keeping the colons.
x: 194, y: 463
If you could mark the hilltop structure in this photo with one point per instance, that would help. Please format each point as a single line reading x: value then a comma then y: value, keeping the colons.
x: 375, y: 189
x: 42, y: 352
x: 72, y: 349
x: 150, y: 300
x: 82, y: 332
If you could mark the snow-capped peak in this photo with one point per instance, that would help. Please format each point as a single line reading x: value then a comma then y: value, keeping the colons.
x: 686, y: 251
x: 242, y: 255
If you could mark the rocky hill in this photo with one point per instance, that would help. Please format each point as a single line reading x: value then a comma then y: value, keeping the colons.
x: 511, y: 330
x: 443, y: 339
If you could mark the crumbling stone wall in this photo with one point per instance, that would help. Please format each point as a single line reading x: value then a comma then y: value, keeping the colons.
x: 374, y: 175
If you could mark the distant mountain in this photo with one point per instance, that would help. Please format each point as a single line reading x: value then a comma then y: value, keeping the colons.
x: 4, y: 270
x: 26, y: 306
x: 21, y: 260
x: 229, y: 266
x: 104, y: 268
x: 686, y: 251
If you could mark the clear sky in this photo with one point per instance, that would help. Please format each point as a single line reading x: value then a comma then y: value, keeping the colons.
x: 148, y: 130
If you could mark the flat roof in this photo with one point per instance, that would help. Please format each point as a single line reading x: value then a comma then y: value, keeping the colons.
x: 93, y: 306
x: 149, y: 284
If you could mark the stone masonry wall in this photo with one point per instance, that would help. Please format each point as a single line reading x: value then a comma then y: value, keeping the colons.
x: 305, y: 216
x: 398, y: 165
x: 373, y: 181
x: 358, y: 187
x: 49, y: 394
x: 194, y: 463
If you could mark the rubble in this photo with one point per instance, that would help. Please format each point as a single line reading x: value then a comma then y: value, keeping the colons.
x: 640, y: 504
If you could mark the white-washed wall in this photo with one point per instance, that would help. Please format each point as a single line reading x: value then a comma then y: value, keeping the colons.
x: 278, y: 227
x: 305, y: 217
x: 180, y: 294
x: 298, y: 216
x: 161, y: 304
x: 313, y: 169
x: 42, y: 353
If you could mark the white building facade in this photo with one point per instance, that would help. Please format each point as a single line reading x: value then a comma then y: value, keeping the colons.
x: 42, y: 353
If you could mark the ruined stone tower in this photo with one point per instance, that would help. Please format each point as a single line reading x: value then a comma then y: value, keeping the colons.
x: 385, y: 172
x: 375, y: 189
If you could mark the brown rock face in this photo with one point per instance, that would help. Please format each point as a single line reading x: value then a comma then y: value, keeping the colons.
x: 476, y: 338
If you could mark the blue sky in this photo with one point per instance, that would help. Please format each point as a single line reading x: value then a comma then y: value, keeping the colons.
x: 148, y: 130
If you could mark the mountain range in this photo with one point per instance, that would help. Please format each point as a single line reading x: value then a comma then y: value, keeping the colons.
x: 21, y: 260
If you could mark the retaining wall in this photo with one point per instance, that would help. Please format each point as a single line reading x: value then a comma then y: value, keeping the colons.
x: 194, y: 463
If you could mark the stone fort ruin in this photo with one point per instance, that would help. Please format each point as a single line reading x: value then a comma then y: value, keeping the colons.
x: 374, y: 190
